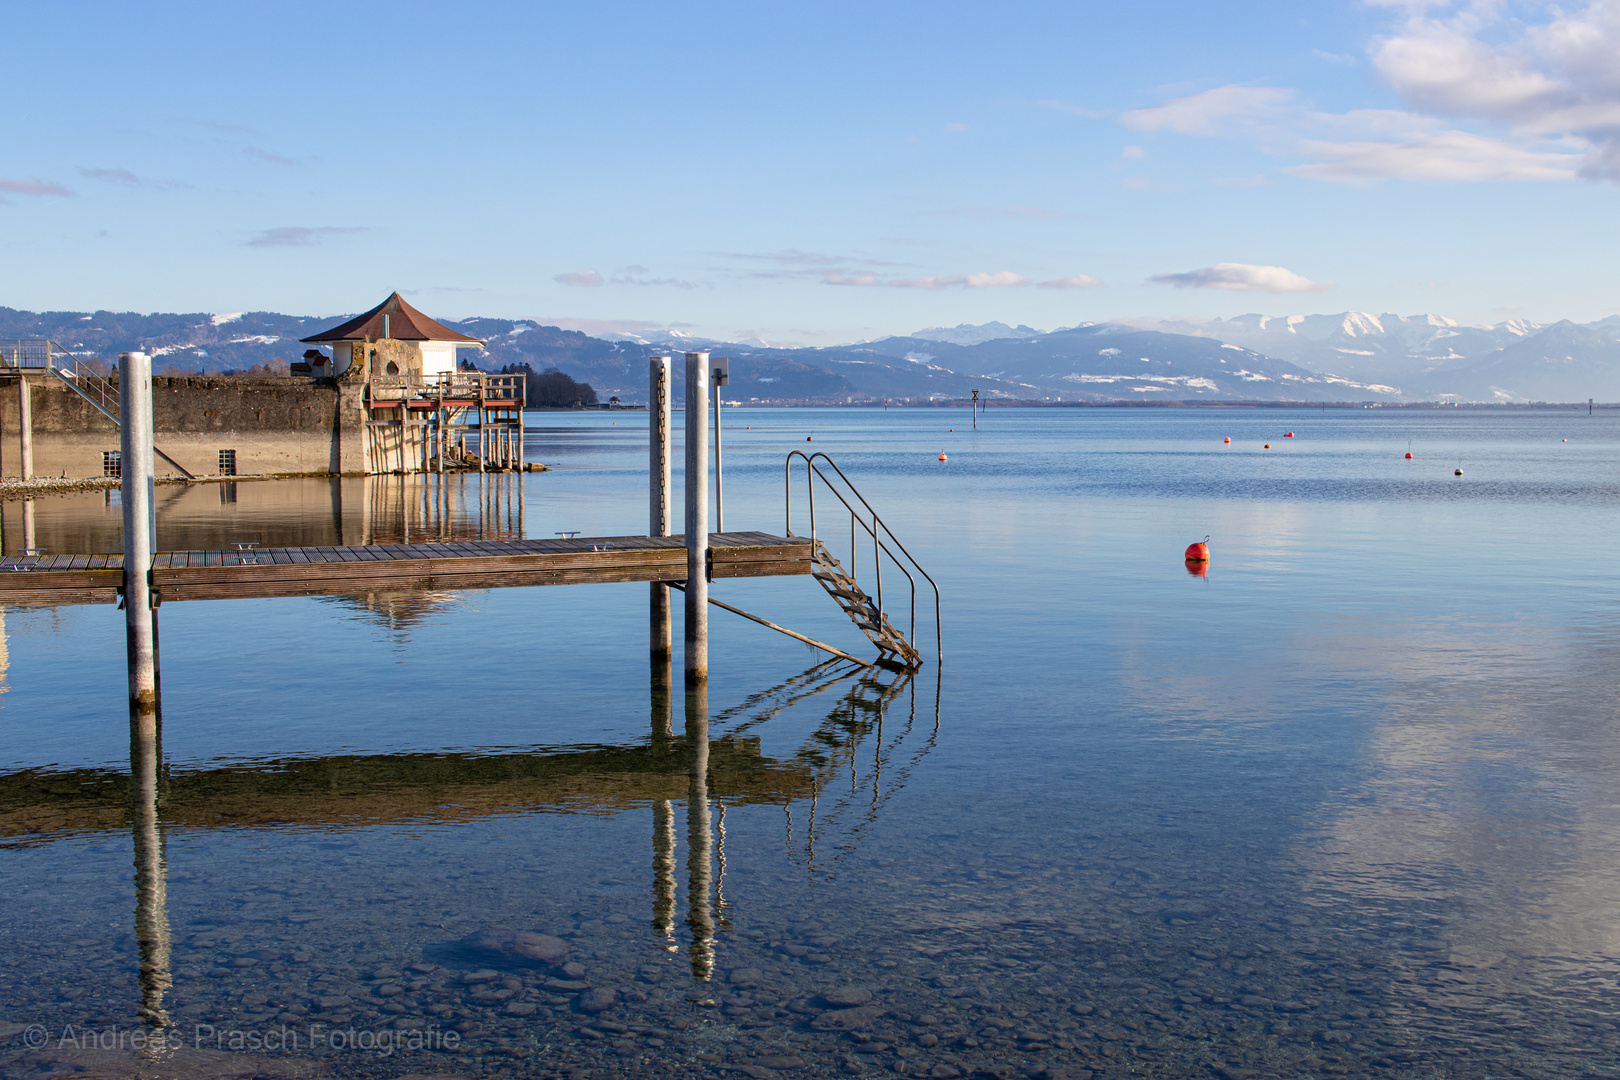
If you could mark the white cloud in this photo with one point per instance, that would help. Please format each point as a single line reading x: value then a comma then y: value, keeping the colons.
x: 1079, y: 281
x: 1001, y: 279
x: 301, y: 235
x: 1133, y: 153
x: 997, y: 211
x: 1242, y: 277
x: 1072, y: 109
x: 32, y: 186
x: 1493, y: 92
x: 584, y: 279
x: 1450, y: 155
x: 1211, y: 112
x: 1555, y: 79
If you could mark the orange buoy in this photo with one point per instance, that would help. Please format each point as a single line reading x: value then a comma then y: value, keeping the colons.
x: 1268, y: 446
x: 1409, y: 455
x: 1229, y: 438
x: 1198, y: 552
x: 942, y: 455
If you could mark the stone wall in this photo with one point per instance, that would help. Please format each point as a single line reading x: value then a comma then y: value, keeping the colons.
x: 275, y: 425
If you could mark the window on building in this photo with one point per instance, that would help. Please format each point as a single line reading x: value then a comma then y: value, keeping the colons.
x: 112, y: 464
x: 393, y: 368
x: 227, y: 463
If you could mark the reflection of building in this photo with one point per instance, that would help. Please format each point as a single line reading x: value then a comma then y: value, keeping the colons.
x: 301, y: 512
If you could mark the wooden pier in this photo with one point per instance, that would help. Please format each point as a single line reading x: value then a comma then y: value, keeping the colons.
x: 49, y: 580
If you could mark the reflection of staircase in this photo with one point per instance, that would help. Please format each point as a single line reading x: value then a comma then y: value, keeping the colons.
x: 97, y: 389
x: 895, y: 649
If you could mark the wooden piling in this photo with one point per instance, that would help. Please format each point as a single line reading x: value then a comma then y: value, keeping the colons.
x: 140, y: 524
x: 697, y: 517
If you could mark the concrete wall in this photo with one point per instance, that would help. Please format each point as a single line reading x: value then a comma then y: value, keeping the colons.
x: 275, y: 425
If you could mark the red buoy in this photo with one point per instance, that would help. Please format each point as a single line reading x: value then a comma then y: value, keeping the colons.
x: 1229, y: 438
x: 1409, y: 455
x: 1290, y: 435
x: 809, y: 438
x: 1198, y: 552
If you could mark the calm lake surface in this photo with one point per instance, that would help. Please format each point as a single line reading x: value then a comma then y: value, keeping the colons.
x: 1347, y: 805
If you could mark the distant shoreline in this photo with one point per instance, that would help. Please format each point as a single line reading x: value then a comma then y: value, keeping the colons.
x: 1012, y: 403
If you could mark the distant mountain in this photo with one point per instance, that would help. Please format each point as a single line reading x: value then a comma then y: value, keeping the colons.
x: 1430, y: 357
x: 1351, y: 356
x: 967, y: 334
x: 1563, y: 362
x: 1110, y: 361
x: 1392, y: 349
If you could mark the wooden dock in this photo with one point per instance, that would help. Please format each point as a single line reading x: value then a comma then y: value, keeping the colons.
x: 49, y: 580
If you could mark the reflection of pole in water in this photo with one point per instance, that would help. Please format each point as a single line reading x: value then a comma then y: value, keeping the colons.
x: 151, y: 870
x: 722, y: 910
x: 663, y: 919
x: 699, y: 915
x: 28, y: 524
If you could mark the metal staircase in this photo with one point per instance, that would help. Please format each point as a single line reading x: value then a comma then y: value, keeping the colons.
x: 101, y: 391
x: 865, y: 609
x: 863, y: 612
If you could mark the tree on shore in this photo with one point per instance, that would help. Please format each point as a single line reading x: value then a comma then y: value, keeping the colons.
x: 551, y: 388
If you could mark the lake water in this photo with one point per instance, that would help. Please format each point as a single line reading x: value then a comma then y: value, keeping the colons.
x: 1346, y: 805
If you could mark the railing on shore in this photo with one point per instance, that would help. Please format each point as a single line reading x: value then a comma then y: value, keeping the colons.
x: 87, y: 378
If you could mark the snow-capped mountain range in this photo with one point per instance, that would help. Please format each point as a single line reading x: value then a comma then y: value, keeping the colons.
x: 1351, y: 356
x: 1431, y: 357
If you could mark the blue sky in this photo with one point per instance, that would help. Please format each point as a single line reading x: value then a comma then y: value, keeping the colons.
x: 814, y: 172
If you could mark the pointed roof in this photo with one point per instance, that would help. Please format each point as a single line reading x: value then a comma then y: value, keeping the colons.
x: 404, y: 323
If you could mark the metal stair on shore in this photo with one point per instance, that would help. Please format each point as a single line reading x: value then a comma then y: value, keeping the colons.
x: 99, y: 390
x: 863, y: 612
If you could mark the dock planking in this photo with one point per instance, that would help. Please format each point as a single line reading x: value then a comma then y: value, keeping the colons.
x: 339, y: 571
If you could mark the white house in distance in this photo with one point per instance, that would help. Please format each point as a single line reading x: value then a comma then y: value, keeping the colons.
x: 401, y: 340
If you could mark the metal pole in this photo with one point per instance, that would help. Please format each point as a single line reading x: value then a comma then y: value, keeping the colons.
x: 140, y: 524
x: 152, y: 933
x: 699, y: 838
x: 719, y: 492
x: 25, y: 426
x: 720, y: 371
x: 697, y: 517
x: 658, y: 482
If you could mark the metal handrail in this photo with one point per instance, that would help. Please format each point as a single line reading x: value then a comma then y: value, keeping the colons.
x: 878, y: 525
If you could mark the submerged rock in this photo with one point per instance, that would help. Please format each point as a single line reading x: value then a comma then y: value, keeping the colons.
x: 848, y: 1019
x: 516, y: 946
x: 847, y: 995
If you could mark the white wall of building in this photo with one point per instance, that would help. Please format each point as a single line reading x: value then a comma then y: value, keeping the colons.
x: 438, y: 358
